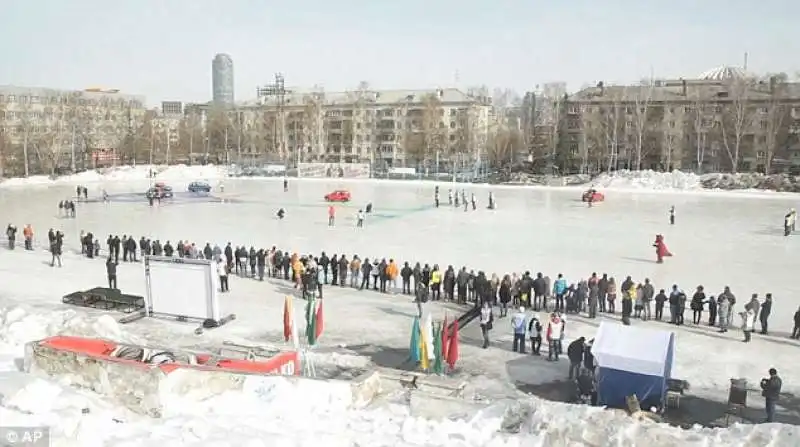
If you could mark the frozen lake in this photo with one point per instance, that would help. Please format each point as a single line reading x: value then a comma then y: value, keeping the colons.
x: 719, y: 239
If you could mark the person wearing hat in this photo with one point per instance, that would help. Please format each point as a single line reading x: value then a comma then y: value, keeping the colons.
x: 771, y: 390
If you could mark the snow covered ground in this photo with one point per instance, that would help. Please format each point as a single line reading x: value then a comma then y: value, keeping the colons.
x: 722, y: 240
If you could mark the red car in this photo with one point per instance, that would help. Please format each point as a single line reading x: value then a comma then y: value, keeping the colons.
x: 339, y: 195
x: 593, y: 195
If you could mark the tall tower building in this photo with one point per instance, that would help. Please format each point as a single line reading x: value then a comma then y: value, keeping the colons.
x: 222, y: 79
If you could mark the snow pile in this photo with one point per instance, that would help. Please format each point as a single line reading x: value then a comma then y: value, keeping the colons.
x: 775, y: 182
x: 19, y: 326
x: 294, y: 411
x: 648, y: 180
x: 557, y: 424
x: 124, y: 173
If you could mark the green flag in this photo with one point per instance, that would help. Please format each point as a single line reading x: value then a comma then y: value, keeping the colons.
x: 311, y: 321
x: 438, y: 364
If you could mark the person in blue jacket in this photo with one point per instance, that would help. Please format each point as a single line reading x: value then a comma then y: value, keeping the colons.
x: 559, y: 290
x: 518, y: 324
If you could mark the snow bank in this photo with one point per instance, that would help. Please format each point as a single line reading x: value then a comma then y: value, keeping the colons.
x: 123, y: 173
x: 648, y: 180
x: 19, y: 325
x: 290, y: 411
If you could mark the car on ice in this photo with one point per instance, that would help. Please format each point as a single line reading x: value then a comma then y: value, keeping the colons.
x: 199, y: 187
x: 340, y: 195
x: 159, y: 191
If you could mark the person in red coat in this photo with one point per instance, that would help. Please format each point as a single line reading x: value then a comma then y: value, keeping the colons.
x: 661, y: 249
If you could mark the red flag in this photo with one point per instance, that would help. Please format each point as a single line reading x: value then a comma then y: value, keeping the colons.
x: 444, y: 338
x: 319, y: 326
x: 287, y: 318
x: 452, y: 348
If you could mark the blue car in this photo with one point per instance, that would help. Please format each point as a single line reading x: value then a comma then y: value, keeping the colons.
x: 199, y: 187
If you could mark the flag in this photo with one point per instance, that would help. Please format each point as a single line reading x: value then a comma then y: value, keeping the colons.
x: 288, y: 319
x: 429, y: 341
x: 311, y: 321
x: 452, y: 348
x: 414, y: 351
x: 444, y: 338
x: 295, y: 334
x: 423, y: 350
x: 319, y: 324
x: 438, y: 363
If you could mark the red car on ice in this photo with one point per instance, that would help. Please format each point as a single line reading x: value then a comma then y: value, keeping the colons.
x: 339, y: 195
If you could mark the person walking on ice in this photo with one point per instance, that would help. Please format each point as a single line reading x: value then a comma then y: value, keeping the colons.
x: 360, y: 219
x: 331, y: 216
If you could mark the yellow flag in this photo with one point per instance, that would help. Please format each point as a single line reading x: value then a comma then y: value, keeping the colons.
x: 423, y: 350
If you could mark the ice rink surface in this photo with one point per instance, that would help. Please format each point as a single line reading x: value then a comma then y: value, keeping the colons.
x: 719, y: 239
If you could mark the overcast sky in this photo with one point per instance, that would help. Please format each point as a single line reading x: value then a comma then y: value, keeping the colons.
x: 163, y: 49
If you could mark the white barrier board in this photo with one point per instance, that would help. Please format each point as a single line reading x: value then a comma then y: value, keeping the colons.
x: 333, y: 170
x: 182, y: 287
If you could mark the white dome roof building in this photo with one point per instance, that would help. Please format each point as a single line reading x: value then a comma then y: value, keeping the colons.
x: 724, y: 73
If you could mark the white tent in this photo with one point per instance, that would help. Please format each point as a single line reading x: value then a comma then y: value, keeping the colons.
x: 632, y: 361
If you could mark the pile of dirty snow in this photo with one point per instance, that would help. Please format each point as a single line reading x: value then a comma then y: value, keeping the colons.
x: 124, y: 173
x: 648, y: 180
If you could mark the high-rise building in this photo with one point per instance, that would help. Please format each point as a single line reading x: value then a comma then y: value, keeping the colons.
x: 222, y: 79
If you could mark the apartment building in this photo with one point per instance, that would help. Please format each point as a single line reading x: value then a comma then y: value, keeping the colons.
x: 50, y: 125
x: 389, y: 127
x: 713, y: 122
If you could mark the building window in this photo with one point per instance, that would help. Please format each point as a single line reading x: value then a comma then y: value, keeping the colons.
x: 452, y: 138
x: 763, y: 124
x: 762, y: 139
x: 572, y: 110
x: 452, y: 124
x: 11, y: 98
x: 762, y: 110
x: 687, y: 109
x: 761, y: 154
x: 573, y: 149
x: 672, y: 124
x: 628, y: 124
x: 628, y: 110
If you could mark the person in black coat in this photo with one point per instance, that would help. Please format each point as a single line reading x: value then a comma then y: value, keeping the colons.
x: 796, y: 329
x: 575, y: 355
x: 766, y: 309
x: 111, y: 272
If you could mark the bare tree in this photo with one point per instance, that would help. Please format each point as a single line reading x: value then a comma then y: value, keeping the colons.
x: 735, y: 118
x: 28, y: 129
x: 591, y: 138
x: 611, y: 111
x: 314, y: 137
x: 191, y: 134
x: 776, y: 121
x: 642, y: 96
x: 51, y: 144
x: 433, y: 131
x: 502, y: 145
x: 362, y: 122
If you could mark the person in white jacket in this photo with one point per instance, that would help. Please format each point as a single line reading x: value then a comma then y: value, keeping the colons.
x: 555, y: 330
x: 748, y: 323
x: 222, y: 271
x: 486, y: 322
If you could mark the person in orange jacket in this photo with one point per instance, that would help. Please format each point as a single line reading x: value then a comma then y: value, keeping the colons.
x: 391, y: 272
x: 27, y: 232
x: 331, y: 215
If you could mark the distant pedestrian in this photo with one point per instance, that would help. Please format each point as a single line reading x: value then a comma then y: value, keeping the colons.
x: 222, y: 271
x: 771, y: 390
x: 111, y: 272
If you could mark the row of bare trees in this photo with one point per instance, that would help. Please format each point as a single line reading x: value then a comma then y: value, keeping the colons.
x: 712, y: 125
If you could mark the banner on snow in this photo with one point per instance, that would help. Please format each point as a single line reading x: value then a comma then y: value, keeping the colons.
x: 333, y: 170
